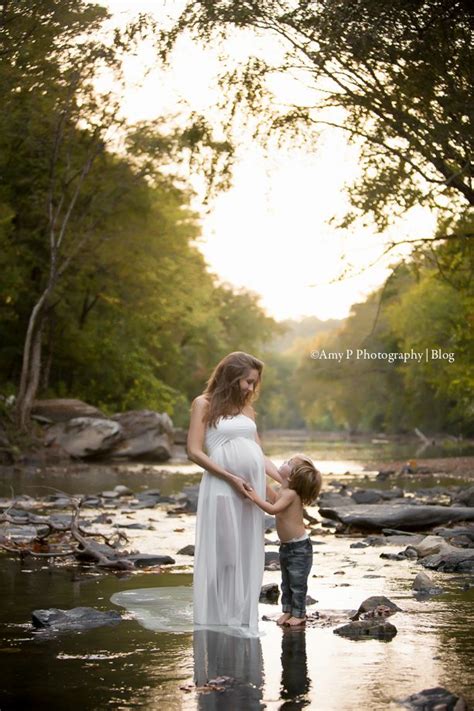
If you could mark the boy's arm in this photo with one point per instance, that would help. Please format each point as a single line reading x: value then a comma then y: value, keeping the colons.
x: 283, y: 502
x: 271, y: 494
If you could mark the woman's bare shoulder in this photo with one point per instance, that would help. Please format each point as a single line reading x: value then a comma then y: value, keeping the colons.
x: 249, y: 411
x: 200, y: 404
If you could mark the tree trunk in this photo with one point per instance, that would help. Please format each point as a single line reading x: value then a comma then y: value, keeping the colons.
x: 31, y: 367
x: 49, y: 355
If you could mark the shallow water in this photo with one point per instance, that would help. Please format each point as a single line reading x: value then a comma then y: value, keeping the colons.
x: 151, y: 659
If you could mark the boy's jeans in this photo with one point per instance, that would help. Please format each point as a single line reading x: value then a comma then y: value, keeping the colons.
x: 296, y: 560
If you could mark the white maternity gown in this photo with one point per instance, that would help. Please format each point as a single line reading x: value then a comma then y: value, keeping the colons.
x: 229, y: 551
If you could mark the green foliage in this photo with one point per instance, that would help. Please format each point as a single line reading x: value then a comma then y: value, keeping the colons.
x: 133, y: 317
x: 395, y: 76
x: 419, y: 310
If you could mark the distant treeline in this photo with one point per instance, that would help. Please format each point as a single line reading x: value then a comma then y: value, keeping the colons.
x: 425, y: 307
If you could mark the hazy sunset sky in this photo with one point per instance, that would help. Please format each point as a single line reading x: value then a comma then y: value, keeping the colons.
x: 269, y: 232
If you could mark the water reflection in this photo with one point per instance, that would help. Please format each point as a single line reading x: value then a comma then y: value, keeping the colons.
x: 295, y: 683
x: 234, y: 663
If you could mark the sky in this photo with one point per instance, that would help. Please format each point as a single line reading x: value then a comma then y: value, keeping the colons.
x: 269, y: 233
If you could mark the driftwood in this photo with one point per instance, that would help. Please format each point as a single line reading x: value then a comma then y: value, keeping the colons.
x: 104, y: 556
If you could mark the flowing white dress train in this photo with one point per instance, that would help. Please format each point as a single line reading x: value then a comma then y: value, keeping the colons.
x: 229, y: 551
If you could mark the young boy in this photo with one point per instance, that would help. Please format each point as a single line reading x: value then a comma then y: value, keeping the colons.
x: 301, y: 484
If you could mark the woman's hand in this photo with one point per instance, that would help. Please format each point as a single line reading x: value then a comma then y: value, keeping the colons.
x: 241, y: 486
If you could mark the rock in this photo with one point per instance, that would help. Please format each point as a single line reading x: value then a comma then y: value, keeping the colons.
x: 137, y: 526
x: 466, y: 497
x: 62, y: 410
x: 147, y: 493
x: 146, y: 435
x: 359, y: 544
x: 270, y: 523
x: 371, y: 603
x: 450, y: 560
x: 376, y: 541
x: 84, y: 436
x: 123, y: 490
x: 401, y: 538
x: 99, y: 549
x: 326, y: 523
x: 187, y: 550
x: 401, y: 516
x: 366, y: 496
x: 310, y: 600
x: 22, y: 534
x: 91, y: 502
x: 78, y: 618
x: 110, y: 494
x: 393, y: 556
x: 428, y: 545
x: 188, y: 500
x: 394, y: 493
x: 269, y: 593
x: 424, y: 584
x: 144, y: 503
x: 332, y: 500
x: 367, y: 629
x: 272, y: 560
x: 146, y: 560
x: 436, y: 699
x: 384, y: 474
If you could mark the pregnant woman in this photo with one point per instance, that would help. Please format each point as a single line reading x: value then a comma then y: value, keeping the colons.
x: 229, y: 551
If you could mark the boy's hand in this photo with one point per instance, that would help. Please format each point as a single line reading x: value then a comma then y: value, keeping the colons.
x: 252, y: 494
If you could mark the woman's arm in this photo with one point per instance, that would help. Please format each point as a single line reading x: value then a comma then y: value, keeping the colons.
x: 272, y: 471
x: 195, y: 450
x: 286, y: 498
x: 270, y: 468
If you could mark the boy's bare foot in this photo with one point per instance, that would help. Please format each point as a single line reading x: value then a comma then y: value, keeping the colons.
x: 295, y: 621
x: 286, y: 616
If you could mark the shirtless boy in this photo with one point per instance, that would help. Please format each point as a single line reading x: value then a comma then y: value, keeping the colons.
x: 301, y: 484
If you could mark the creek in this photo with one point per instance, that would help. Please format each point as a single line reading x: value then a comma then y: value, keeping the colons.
x: 150, y: 660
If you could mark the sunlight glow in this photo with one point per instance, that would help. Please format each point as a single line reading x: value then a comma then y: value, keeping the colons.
x: 269, y: 233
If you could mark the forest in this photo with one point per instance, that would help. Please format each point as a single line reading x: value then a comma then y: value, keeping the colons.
x: 104, y: 293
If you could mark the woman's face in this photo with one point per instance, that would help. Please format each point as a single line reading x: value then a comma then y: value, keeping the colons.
x: 249, y: 382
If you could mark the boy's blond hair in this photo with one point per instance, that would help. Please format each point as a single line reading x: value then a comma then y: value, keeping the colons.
x: 305, y: 479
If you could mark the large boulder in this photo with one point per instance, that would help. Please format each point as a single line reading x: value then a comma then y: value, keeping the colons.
x: 400, y: 516
x: 62, y: 410
x: 376, y: 604
x: 428, y: 545
x: 145, y: 435
x: 84, y: 436
x: 424, y: 585
x: 450, y: 559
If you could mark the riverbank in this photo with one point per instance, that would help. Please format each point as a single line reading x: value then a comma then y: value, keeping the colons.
x: 459, y: 467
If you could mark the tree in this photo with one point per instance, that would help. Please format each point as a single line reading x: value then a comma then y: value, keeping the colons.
x: 396, y: 77
x: 61, y: 184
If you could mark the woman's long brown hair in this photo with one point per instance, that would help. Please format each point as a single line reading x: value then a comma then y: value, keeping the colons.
x: 223, y: 390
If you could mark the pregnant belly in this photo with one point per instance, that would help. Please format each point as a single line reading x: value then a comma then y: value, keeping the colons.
x: 242, y: 457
